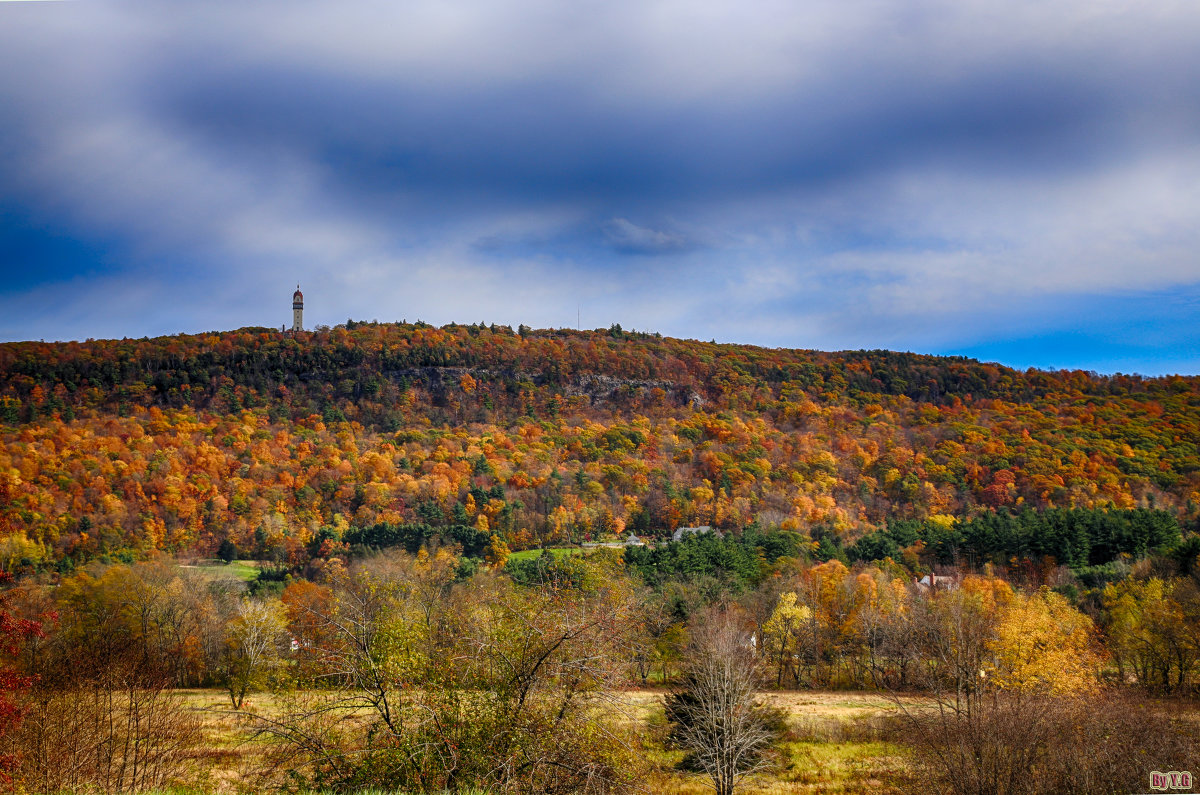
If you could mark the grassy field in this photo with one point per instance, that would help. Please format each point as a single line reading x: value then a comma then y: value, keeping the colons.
x: 834, y: 744
x: 558, y: 552
x: 244, y: 570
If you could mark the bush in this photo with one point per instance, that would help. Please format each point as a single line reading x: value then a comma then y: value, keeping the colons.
x: 1011, y: 744
x: 484, y: 684
x: 119, y: 734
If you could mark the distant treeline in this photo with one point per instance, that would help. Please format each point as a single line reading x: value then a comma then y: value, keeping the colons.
x: 733, y: 562
x: 741, y: 560
x: 1077, y: 538
x: 1073, y: 537
x: 369, y: 364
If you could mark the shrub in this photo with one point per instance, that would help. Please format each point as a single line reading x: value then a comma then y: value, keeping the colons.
x: 1014, y: 744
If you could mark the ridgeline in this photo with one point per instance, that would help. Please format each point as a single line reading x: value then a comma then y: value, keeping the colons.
x: 283, y: 446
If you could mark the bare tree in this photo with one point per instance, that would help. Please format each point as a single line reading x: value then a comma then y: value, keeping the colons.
x: 715, y: 711
x: 253, y: 645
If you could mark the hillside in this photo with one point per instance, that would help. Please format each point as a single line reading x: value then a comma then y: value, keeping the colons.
x: 281, y: 443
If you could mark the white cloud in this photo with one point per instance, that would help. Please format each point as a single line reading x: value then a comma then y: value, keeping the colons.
x: 827, y: 173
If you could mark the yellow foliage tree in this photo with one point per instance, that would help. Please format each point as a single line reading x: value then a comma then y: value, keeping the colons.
x: 1043, y: 644
x: 1152, y: 631
x: 783, y: 633
x: 497, y: 552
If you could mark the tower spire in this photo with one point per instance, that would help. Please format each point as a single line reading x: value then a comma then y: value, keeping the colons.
x: 297, y: 309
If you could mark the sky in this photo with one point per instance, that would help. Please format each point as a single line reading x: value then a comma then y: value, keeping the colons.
x: 1012, y: 180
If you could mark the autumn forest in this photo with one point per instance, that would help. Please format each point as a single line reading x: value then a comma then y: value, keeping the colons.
x: 451, y: 544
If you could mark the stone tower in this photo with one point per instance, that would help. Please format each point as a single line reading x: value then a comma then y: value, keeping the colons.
x: 298, y: 310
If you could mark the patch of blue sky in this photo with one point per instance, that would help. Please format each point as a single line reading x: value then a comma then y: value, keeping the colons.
x: 33, y: 254
x: 1150, y: 333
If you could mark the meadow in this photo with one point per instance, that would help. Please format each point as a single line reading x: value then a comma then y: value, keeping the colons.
x: 835, y: 742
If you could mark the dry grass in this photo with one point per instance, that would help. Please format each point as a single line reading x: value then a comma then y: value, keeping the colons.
x: 805, y: 767
x: 229, y: 755
x: 834, y: 744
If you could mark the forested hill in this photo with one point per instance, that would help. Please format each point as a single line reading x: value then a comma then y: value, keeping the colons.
x: 199, y: 370
x: 274, y: 440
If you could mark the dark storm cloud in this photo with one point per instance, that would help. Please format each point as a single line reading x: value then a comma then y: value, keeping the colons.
x: 912, y: 174
x: 547, y: 140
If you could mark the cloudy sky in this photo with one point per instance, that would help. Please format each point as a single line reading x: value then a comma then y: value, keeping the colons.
x: 1015, y: 180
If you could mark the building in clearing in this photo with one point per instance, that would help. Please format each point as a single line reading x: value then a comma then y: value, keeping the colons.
x: 936, y: 582
x: 297, y: 310
x: 688, y: 531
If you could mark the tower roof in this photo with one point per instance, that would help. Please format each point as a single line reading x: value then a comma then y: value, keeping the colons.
x: 297, y: 296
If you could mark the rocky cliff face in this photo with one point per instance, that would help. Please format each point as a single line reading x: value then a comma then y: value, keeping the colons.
x: 599, y: 389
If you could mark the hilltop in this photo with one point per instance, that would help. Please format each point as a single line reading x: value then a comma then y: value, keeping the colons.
x: 279, y: 443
